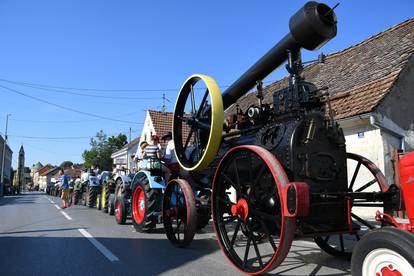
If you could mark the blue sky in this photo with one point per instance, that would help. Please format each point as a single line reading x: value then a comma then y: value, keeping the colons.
x: 138, y: 45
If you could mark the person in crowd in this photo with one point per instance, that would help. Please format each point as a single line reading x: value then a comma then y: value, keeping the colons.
x: 173, y: 167
x: 153, y: 150
x: 64, y: 181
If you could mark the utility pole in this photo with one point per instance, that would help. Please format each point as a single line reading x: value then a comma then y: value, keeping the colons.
x: 130, y: 131
x: 4, y: 156
x: 163, y: 102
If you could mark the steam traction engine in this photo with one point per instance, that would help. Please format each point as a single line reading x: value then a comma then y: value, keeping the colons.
x: 277, y: 170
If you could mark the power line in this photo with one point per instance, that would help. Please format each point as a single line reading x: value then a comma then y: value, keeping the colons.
x: 76, y: 93
x: 50, y: 138
x: 72, y: 121
x: 64, y: 107
x: 88, y: 89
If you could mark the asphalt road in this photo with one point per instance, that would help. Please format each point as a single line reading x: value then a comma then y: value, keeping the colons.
x: 37, y: 238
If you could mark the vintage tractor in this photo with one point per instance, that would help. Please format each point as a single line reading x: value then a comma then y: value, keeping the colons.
x: 390, y: 250
x: 101, y: 199
x: 142, y: 198
x: 278, y: 170
x: 90, y: 190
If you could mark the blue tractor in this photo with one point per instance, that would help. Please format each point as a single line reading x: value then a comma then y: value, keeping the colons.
x: 141, y: 198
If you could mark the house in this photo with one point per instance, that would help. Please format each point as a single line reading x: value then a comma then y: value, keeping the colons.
x: 46, y: 177
x: 37, y: 180
x: 371, y: 91
x: 75, y: 171
x: 7, y: 165
x: 123, y: 157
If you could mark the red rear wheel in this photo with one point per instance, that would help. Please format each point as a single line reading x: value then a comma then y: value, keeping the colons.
x: 248, y: 217
x: 179, y: 213
x: 120, y: 214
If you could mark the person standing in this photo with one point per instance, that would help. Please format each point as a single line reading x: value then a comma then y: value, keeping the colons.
x: 170, y: 158
x: 64, y: 182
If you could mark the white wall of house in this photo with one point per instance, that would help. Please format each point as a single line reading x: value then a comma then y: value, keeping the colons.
x: 147, y: 130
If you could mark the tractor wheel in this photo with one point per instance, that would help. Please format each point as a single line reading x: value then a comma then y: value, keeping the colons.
x: 120, y: 212
x: 179, y: 213
x: 252, y: 230
x: 104, y: 198
x: 386, y: 251
x: 76, y: 197
x: 342, y: 245
x: 144, y: 206
x: 111, y: 204
x: 92, y: 195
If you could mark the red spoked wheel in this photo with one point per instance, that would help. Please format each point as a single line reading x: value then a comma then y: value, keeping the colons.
x: 248, y: 217
x: 179, y: 212
x: 120, y: 214
x: 363, y: 176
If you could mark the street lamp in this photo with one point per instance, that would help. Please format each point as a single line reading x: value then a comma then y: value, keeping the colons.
x: 4, y: 156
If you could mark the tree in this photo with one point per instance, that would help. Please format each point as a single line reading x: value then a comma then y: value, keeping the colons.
x: 66, y: 164
x: 102, y: 147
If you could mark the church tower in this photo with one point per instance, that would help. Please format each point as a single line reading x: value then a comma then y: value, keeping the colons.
x: 19, y: 178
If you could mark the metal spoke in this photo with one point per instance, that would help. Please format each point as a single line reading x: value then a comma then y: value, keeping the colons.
x: 193, y: 107
x: 367, y: 185
x: 177, y: 231
x: 237, y: 174
x: 203, y: 101
x: 327, y: 239
x: 236, y: 230
x: 354, y: 176
x: 225, y: 201
x: 203, y: 125
x: 257, y: 251
x: 188, y: 139
x: 271, y: 241
x: 362, y: 221
x: 236, y: 186
x: 246, y: 252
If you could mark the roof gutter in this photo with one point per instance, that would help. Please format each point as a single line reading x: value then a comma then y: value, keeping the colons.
x: 386, y: 124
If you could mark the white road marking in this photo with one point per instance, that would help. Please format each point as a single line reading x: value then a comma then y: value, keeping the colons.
x: 66, y: 215
x: 105, y: 251
x: 57, y: 207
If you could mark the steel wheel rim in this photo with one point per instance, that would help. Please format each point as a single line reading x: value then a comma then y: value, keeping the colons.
x: 175, y: 208
x: 383, y: 261
x: 138, y: 204
x: 277, y: 237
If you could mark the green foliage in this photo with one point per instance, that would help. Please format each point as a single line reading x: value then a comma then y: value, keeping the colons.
x: 102, y: 146
x: 66, y: 164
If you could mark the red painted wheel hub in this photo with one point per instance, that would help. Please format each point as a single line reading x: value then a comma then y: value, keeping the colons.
x: 389, y: 271
x: 138, y: 205
x: 241, y: 209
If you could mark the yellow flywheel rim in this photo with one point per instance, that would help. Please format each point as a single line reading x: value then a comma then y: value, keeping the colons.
x: 216, y: 128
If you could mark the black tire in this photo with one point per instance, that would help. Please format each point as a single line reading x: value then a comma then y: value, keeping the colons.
x: 92, y: 196
x: 84, y: 197
x: 179, y: 213
x: 120, y: 212
x: 144, y: 219
x: 111, y: 205
x: 376, y: 245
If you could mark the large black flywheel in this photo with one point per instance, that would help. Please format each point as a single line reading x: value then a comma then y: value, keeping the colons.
x: 251, y: 228
x: 198, y: 122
